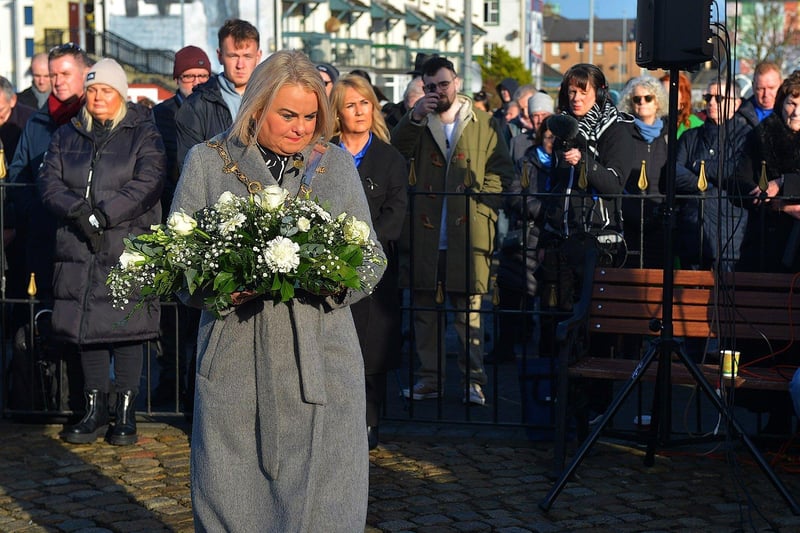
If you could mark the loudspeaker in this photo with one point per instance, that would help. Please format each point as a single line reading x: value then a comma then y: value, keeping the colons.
x: 673, y: 33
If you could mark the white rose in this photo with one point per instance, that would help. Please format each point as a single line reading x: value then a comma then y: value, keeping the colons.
x: 303, y: 224
x: 356, y: 231
x: 226, y: 198
x: 180, y: 223
x: 282, y: 255
x: 272, y: 197
x: 130, y: 260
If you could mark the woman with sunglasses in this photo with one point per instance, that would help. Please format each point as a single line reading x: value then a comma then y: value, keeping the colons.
x: 644, y: 98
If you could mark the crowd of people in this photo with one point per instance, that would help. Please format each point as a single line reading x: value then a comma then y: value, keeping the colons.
x: 286, y: 399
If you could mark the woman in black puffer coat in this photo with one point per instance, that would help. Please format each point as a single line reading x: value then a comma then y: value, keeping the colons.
x: 102, y: 178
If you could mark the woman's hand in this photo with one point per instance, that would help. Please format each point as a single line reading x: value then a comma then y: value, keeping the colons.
x: 240, y: 297
x: 573, y: 156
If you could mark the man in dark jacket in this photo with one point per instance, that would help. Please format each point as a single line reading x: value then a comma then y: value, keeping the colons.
x: 766, y: 80
x: 191, y: 68
x: 714, y: 150
x: 36, y: 95
x: 68, y: 65
x: 13, y: 117
x: 213, y: 105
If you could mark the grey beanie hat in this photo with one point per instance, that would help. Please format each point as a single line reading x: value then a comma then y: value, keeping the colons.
x: 108, y: 72
x: 540, y: 102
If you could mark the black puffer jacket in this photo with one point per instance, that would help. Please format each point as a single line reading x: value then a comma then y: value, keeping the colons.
x: 128, y: 170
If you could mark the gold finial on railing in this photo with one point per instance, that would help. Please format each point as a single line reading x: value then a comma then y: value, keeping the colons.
x: 468, y: 180
x: 642, y: 184
x: 763, y: 182
x: 702, y: 181
x: 583, y: 182
x: 32, y: 290
x: 439, y: 293
x: 525, y: 180
x: 412, y: 174
x: 3, y: 171
x: 495, y: 295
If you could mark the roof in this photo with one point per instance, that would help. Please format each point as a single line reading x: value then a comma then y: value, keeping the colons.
x: 560, y: 29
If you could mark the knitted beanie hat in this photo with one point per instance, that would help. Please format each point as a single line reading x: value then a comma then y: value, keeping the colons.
x: 108, y: 72
x: 540, y: 102
x: 190, y: 57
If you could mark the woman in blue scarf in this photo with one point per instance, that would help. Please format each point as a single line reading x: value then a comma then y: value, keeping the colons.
x: 644, y: 98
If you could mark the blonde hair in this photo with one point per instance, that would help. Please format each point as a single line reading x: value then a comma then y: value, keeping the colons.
x: 87, y: 118
x: 285, y: 67
x: 364, y: 88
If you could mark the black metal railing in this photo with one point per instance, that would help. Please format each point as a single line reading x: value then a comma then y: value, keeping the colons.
x: 109, y: 44
x: 515, y: 389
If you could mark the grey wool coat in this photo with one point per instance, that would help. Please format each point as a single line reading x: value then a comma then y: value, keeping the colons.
x: 279, y: 434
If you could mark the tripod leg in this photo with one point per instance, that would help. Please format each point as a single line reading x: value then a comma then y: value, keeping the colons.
x: 726, y: 411
x: 640, y: 369
x: 661, y: 423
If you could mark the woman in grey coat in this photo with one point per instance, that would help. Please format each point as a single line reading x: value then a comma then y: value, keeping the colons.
x: 279, y: 441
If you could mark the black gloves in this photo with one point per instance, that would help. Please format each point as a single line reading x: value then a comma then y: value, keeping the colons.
x: 90, y: 224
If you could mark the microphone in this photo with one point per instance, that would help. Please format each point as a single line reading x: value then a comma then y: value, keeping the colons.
x: 565, y: 129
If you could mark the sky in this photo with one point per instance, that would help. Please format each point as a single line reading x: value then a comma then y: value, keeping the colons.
x: 605, y: 9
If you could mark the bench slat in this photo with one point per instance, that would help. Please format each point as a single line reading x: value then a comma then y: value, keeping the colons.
x: 620, y: 369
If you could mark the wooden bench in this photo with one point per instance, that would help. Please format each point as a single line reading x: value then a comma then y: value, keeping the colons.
x: 629, y: 302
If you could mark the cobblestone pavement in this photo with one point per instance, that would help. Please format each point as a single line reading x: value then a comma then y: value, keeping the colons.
x: 423, y: 479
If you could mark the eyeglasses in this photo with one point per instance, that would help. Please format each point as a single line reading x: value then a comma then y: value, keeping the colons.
x: 186, y: 78
x: 647, y: 98
x: 717, y: 98
x: 442, y: 86
x: 327, y: 82
x: 548, y: 137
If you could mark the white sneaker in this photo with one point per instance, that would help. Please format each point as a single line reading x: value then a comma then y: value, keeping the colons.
x: 475, y: 395
x: 422, y: 391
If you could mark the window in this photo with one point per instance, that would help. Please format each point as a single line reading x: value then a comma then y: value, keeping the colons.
x: 491, y: 12
x: 579, y: 46
x: 598, y: 49
x: 28, y: 13
x: 29, y: 47
x: 555, y: 49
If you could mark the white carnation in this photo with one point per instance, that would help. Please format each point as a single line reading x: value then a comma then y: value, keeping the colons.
x: 180, y: 223
x: 356, y: 231
x: 282, y: 255
x: 226, y: 227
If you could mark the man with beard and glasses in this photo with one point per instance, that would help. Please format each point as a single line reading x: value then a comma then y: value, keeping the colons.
x: 458, y: 161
